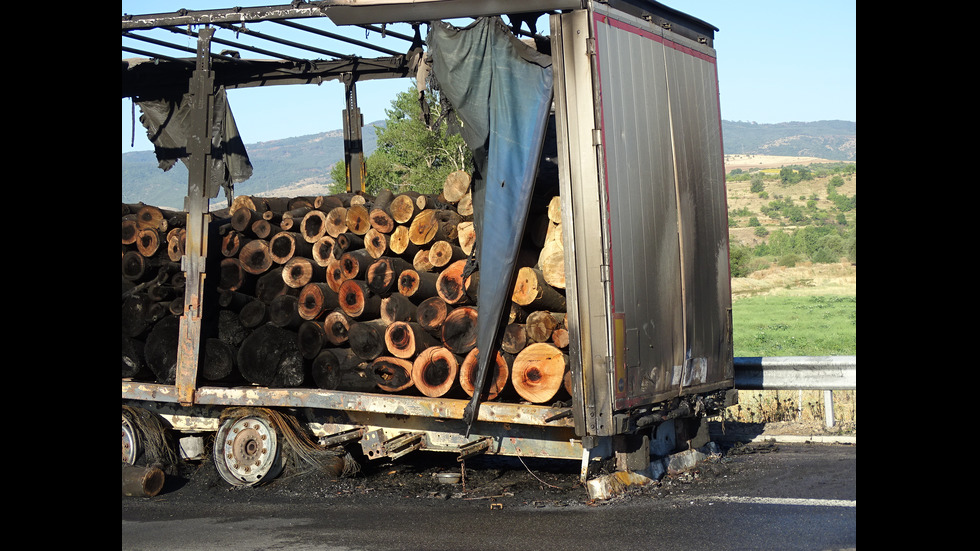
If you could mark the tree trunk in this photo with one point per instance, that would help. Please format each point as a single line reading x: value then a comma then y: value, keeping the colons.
x: 284, y: 312
x: 403, y: 208
x: 315, y: 299
x: 314, y: 226
x: 417, y: 286
x: 358, y: 301
x: 300, y: 270
x: 405, y: 339
x: 541, y: 324
x: 367, y: 338
x: 255, y: 256
x: 435, y: 371
x: 270, y: 357
x: 497, y: 375
x: 460, y: 329
x: 336, y: 324
x: 397, y: 307
x: 286, y: 244
x: 442, y: 253
x: 532, y: 290
x: 311, y: 338
x: 393, y: 374
x: 342, y: 369
x: 514, y: 338
x: 538, y: 372
x: 217, y: 361
x: 432, y: 312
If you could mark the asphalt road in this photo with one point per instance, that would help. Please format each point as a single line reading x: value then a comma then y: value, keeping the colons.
x: 756, y: 496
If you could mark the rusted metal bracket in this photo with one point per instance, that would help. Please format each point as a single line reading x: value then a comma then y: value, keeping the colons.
x: 475, y: 447
x: 341, y: 438
x: 375, y: 444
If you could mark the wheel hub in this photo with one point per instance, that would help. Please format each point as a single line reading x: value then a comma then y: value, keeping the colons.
x: 249, y: 451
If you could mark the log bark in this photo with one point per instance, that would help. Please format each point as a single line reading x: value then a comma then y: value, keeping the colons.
x: 284, y: 312
x: 397, y: 307
x: 345, y: 242
x: 270, y: 357
x: 432, y: 313
x: 254, y: 314
x: 538, y: 372
x: 315, y: 299
x: 311, y: 338
x: 417, y: 286
x: 270, y: 285
x: 358, y: 301
x: 393, y: 374
x: 341, y: 369
x: 134, y: 359
x: 355, y: 263
x: 300, y: 270
x: 435, y: 372
x: 405, y: 339
x: 367, y: 338
x: 161, y: 349
x: 531, y: 290
x: 336, y: 324
x: 460, y: 329
x: 383, y: 275
x: 497, y: 376
x: 217, y: 361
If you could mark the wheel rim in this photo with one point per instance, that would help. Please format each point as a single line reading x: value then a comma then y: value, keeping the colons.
x: 247, y: 452
x: 130, y: 443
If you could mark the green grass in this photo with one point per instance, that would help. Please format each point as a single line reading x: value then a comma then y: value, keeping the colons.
x: 821, y: 325
x: 811, y: 325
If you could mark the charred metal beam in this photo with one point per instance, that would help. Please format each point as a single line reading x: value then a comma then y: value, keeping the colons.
x: 242, y: 29
x: 238, y: 45
x: 167, y: 78
x: 173, y: 46
x: 336, y: 36
x: 185, y: 17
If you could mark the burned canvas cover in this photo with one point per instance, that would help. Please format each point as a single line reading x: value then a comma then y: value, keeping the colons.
x: 501, y: 90
x: 167, y: 123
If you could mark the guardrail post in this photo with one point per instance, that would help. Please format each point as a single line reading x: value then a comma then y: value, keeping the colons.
x: 828, y: 409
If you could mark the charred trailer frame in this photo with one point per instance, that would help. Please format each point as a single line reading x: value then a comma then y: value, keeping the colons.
x: 641, y: 180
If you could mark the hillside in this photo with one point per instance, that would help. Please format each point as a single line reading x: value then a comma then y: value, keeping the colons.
x: 301, y: 165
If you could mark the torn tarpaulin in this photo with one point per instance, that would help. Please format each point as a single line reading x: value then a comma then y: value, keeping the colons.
x: 501, y: 90
x: 168, y: 126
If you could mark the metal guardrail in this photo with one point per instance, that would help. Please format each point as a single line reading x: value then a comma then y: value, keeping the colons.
x: 796, y: 373
x: 826, y: 373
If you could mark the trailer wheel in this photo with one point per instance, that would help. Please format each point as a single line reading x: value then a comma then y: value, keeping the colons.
x: 247, y: 451
x: 131, y: 447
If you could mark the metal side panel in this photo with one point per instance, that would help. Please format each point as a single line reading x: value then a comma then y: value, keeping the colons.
x: 661, y: 156
x: 582, y: 222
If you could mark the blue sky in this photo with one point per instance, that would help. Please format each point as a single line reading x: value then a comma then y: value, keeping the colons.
x: 778, y: 61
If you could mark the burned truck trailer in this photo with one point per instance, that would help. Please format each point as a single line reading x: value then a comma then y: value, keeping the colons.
x: 619, y: 103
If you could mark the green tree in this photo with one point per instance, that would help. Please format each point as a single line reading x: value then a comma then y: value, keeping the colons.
x: 411, y: 156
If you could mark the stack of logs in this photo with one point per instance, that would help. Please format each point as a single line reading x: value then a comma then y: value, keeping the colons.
x: 346, y: 292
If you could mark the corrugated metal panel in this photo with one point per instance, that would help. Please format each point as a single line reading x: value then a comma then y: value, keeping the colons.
x: 662, y: 159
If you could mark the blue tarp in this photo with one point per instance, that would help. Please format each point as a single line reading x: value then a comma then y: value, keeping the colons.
x: 501, y: 90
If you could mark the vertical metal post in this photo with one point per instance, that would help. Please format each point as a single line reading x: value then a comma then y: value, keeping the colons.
x: 828, y: 408
x: 353, y: 144
x: 201, y: 89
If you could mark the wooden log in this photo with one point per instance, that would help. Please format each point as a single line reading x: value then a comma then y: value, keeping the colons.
x: 355, y: 263
x: 433, y: 225
x: 270, y: 357
x: 457, y: 184
x: 233, y: 300
x: 421, y: 261
x: 466, y: 236
x: 380, y: 214
x: 322, y: 252
x: 129, y: 230
x: 284, y: 312
x: 559, y: 337
x: 551, y: 260
x: 459, y: 331
x: 400, y: 243
x: 263, y: 229
x: 230, y: 328
x: 442, y: 253
x: 541, y: 324
x: 335, y: 274
x: 217, y: 361
x: 287, y: 244
x: 176, y: 241
x: 255, y: 257
x: 358, y: 219
x: 336, y: 324
x: 326, y: 203
x: 367, y: 338
x: 403, y: 208
x: 155, y: 218
x: 432, y: 312
x: 270, y: 285
x: 254, y: 314
x: 405, y: 339
x: 397, y: 307
x: 311, y: 338
x: 293, y: 218
x: 417, y: 286
x: 393, y: 374
x: 514, y: 338
x: 316, y: 299
x: 300, y: 270
x: 243, y: 219
x: 232, y: 242
x: 345, y: 242
x: 134, y: 359
x: 161, y: 348
x: 313, y: 226
x: 538, y: 372
x: 358, y: 301
x: 497, y: 375
x: 435, y: 372
x: 383, y: 274
x: 337, y: 221
x: 341, y: 369
x: 531, y: 290
x: 375, y: 242
x: 148, y: 241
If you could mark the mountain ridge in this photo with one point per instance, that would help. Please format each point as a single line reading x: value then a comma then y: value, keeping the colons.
x: 301, y: 165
